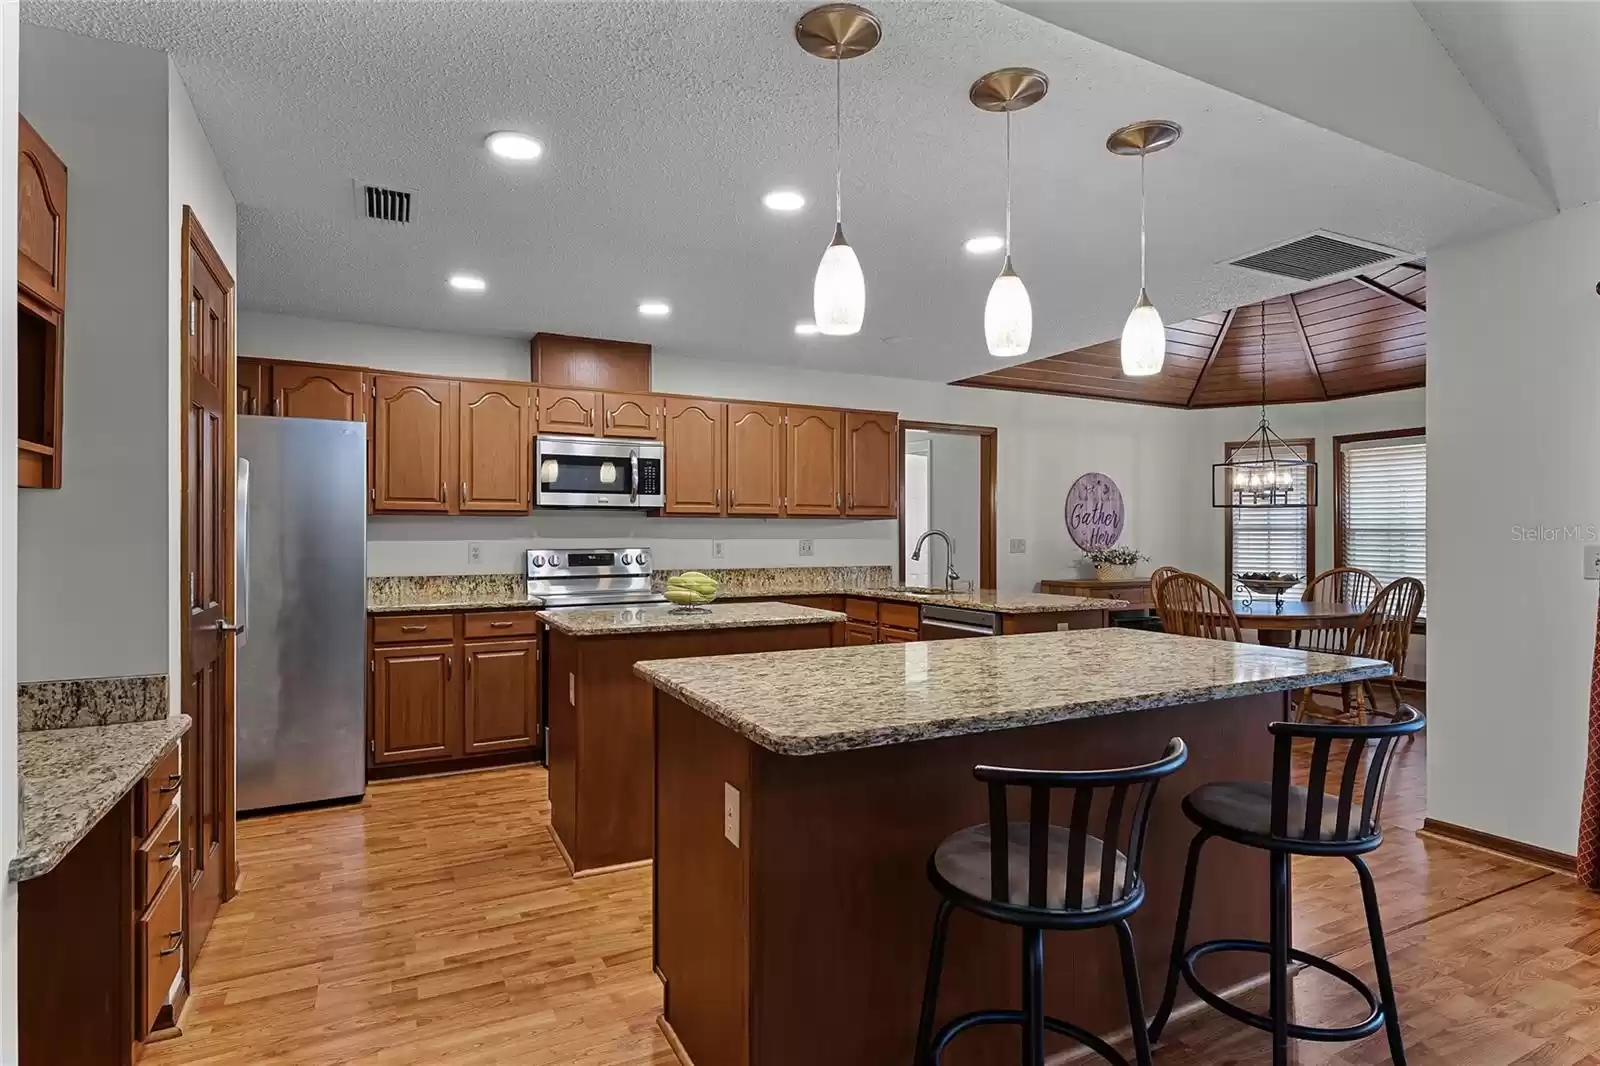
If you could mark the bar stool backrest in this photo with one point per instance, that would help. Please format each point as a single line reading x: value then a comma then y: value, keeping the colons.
x: 1356, y: 758
x: 1129, y: 793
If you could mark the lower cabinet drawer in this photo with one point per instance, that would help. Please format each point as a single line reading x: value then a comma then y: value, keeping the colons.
x: 890, y: 635
x: 861, y: 610
x: 496, y: 624
x: 858, y: 633
x: 412, y: 628
x: 160, y: 950
x: 158, y: 856
x: 161, y: 786
x: 900, y: 615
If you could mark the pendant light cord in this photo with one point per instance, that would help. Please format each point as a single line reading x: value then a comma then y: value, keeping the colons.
x: 838, y: 140
x: 1141, y: 221
x: 1008, y: 186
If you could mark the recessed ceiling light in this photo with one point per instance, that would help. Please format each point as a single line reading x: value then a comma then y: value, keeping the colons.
x: 784, y: 200
x: 467, y: 283
x: 655, y: 308
x: 515, y: 147
x: 985, y: 244
x: 806, y: 329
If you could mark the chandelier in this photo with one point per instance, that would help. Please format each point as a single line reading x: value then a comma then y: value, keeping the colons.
x: 1265, y: 470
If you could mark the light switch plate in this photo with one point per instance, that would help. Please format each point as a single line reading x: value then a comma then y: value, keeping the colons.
x: 716, y: 549
x: 474, y: 553
x: 1019, y: 546
x: 1591, y: 562
x: 807, y: 548
x: 730, y: 813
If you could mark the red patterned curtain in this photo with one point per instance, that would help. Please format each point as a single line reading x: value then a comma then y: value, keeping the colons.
x: 1589, y: 814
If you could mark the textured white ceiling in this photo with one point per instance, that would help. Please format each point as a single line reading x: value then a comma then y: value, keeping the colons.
x: 665, y: 122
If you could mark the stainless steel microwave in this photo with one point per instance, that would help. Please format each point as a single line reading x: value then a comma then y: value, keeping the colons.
x: 592, y: 472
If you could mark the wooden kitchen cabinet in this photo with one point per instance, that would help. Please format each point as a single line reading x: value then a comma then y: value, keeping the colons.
x: 415, y: 436
x: 871, y: 464
x: 631, y: 415
x: 502, y: 686
x: 41, y: 218
x: 496, y: 426
x: 251, y: 388
x: 570, y: 411
x: 308, y: 390
x: 695, y: 433
x: 590, y: 363
x: 860, y: 633
x: 754, y: 459
x: 415, y: 703
x: 813, y: 481
x: 41, y: 308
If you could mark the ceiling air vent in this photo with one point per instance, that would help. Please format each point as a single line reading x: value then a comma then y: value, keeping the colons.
x: 1315, y: 256
x: 380, y: 204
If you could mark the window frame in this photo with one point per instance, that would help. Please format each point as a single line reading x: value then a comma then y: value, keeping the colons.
x: 1338, y: 488
x: 1307, y: 447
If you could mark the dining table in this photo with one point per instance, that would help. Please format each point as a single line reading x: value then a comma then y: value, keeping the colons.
x: 1277, y: 624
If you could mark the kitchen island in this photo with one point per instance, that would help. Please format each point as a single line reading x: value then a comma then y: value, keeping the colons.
x: 601, y: 737
x: 799, y: 796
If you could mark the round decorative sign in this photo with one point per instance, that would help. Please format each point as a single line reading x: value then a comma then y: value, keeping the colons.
x: 1094, y: 512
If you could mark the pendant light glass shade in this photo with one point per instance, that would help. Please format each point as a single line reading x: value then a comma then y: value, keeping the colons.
x: 1144, y: 340
x: 839, y: 294
x: 1008, y: 315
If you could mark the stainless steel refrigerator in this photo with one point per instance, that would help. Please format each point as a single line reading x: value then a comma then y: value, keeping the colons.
x: 301, y: 525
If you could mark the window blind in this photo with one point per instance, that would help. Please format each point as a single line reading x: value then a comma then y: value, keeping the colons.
x: 1273, y: 538
x: 1383, y: 508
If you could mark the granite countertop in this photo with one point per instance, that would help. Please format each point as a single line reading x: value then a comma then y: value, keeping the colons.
x: 664, y: 618
x: 484, y: 603
x: 975, y: 600
x: 839, y: 699
x: 71, y: 779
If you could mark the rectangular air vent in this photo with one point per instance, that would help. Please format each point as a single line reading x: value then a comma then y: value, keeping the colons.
x: 380, y: 204
x: 1315, y: 256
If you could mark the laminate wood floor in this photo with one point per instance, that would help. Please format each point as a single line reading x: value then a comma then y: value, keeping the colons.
x: 435, y: 923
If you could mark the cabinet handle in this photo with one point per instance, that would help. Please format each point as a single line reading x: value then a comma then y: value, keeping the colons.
x: 469, y: 668
x: 852, y: 501
x: 449, y: 666
x: 838, y: 501
x: 177, y: 846
x: 175, y: 781
x: 732, y: 498
x: 719, y: 497
x: 176, y: 939
x: 463, y: 496
x: 277, y: 406
x: 444, y: 493
x: 412, y: 629
x: 500, y: 625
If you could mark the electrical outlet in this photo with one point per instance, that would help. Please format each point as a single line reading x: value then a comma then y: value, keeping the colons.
x: 806, y: 548
x: 716, y: 549
x: 730, y: 813
x: 1019, y: 546
x: 1591, y: 563
x: 474, y: 553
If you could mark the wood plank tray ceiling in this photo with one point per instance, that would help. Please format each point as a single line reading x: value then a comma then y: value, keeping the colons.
x: 1363, y: 335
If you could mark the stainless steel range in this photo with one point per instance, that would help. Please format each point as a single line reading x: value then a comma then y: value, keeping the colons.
x: 590, y: 577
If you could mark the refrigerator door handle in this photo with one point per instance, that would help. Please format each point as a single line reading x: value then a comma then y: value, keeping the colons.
x: 241, y: 555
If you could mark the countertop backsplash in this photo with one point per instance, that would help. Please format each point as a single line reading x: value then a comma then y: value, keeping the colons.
x: 91, y: 701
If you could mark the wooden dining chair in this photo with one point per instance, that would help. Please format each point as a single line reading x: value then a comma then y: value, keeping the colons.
x: 1158, y: 575
x: 1191, y: 606
x: 1382, y: 632
x: 1342, y: 584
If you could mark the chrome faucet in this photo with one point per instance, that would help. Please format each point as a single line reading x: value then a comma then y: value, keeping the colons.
x: 950, y: 575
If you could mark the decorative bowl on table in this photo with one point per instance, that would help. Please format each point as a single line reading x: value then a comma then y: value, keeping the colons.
x: 1269, y: 583
x: 691, y: 591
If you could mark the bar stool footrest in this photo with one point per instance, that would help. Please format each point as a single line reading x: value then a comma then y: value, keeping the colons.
x: 1361, y: 1030
x: 960, y: 1025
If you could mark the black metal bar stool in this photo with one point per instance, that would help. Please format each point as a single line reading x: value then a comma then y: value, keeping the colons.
x: 1041, y: 876
x: 1286, y: 819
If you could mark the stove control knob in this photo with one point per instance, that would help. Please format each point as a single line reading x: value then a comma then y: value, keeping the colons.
x: 643, y: 558
x: 538, y: 560
x: 553, y: 560
x: 627, y: 560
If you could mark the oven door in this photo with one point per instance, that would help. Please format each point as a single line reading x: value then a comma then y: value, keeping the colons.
x: 586, y: 472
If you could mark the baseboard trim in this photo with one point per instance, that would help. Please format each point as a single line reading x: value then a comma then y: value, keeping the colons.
x: 1556, y: 861
x: 672, y: 1040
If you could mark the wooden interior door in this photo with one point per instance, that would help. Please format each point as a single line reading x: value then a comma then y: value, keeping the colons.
x: 755, y: 459
x: 209, y: 484
x: 568, y: 411
x: 502, y: 686
x: 301, y: 390
x: 813, y: 482
x: 695, y: 432
x: 496, y: 447
x: 871, y: 464
x: 414, y: 444
x: 415, y: 703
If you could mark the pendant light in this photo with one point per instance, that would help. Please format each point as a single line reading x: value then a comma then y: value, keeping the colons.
x: 1008, y: 313
x: 1144, y: 338
x: 839, y: 293
x: 1262, y: 472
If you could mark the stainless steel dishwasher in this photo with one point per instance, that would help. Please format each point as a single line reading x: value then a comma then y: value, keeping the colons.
x: 955, y: 623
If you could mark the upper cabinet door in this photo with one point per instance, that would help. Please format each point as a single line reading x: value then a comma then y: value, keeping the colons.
x: 569, y: 411
x: 871, y: 472
x: 695, y: 436
x: 303, y: 390
x: 496, y: 446
x: 252, y: 386
x: 755, y: 459
x: 41, y: 218
x: 814, y: 484
x: 414, y: 444
x: 630, y: 414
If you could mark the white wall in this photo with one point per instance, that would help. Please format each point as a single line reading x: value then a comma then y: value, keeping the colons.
x: 93, y: 580
x: 1513, y: 385
x: 193, y: 179
x: 9, y: 32
x: 267, y: 335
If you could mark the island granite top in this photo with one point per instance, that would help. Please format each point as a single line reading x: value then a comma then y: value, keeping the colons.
x: 665, y: 618
x: 975, y: 600
x: 73, y: 777
x: 843, y: 698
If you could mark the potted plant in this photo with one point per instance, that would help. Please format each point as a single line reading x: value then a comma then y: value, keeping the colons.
x: 1115, y: 564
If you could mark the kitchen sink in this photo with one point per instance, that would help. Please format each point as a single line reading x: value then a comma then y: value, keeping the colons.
x: 919, y: 590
